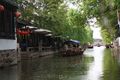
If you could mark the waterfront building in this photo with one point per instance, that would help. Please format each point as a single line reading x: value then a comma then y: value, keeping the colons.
x: 8, y: 44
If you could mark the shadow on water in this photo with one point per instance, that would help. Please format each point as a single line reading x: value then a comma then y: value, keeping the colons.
x: 54, y: 68
x: 9, y: 73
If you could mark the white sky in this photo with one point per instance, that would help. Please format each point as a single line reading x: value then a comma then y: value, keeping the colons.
x: 95, y: 28
x: 96, y: 33
x: 71, y: 6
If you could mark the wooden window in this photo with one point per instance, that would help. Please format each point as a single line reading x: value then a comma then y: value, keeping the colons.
x: 7, y: 24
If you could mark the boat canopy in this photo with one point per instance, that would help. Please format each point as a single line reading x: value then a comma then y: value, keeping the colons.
x: 72, y: 42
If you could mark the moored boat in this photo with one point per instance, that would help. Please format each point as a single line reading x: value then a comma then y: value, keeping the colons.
x: 109, y: 46
x: 90, y: 46
x: 98, y: 45
x: 72, y: 48
x: 73, y: 52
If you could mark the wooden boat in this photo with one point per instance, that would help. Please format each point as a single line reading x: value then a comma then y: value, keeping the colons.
x: 98, y: 45
x: 72, y: 48
x: 90, y: 46
x: 73, y: 52
x: 109, y: 46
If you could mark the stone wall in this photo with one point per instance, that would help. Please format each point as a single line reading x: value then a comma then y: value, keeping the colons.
x: 8, y: 57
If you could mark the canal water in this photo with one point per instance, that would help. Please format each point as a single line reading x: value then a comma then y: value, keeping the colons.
x: 96, y: 64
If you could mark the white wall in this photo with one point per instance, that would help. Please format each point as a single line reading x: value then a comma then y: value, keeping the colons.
x: 7, y: 44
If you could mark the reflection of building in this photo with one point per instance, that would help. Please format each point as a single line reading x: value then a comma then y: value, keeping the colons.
x: 7, y: 32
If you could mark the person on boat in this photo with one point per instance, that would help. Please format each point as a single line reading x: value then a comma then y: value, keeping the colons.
x: 66, y: 47
x: 23, y: 45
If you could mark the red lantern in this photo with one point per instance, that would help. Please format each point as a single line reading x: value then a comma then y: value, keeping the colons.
x: 22, y: 32
x: 17, y: 14
x: 1, y: 8
x: 18, y: 31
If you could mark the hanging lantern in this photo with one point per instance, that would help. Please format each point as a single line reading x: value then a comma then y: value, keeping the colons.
x: 22, y: 32
x: 17, y: 14
x: 25, y: 33
x: 1, y: 8
x: 18, y: 31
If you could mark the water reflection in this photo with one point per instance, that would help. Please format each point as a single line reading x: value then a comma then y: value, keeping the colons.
x: 8, y: 73
x: 54, y: 68
x: 111, y: 66
x: 96, y: 64
x: 96, y: 68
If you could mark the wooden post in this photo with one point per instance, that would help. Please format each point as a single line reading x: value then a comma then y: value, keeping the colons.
x: 40, y: 46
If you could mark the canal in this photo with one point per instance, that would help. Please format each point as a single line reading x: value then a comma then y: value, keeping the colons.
x: 96, y: 64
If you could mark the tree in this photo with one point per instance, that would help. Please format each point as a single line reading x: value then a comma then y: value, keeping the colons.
x: 58, y: 17
x: 105, y: 12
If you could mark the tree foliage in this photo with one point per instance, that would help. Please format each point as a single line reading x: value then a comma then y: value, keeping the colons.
x: 58, y: 17
x: 106, y: 13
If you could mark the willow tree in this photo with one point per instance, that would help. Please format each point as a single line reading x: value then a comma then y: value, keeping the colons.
x: 78, y: 28
x: 58, y: 17
x: 106, y: 13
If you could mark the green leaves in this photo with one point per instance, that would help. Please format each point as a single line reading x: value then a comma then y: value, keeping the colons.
x: 58, y: 17
x: 106, y: 14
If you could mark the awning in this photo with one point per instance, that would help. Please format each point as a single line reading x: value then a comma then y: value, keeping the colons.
x: 31, y: 27
x: 48, y: 34
x: 75, y: 41
x: 72, y: 42
x: 44, y: 31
